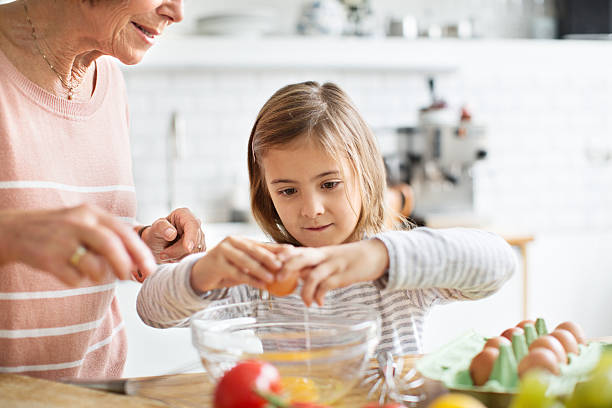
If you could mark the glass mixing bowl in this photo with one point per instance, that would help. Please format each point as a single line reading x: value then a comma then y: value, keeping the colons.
x: 320, y: 352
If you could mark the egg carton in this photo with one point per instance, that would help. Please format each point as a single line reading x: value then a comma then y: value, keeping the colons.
x: 451, y: 365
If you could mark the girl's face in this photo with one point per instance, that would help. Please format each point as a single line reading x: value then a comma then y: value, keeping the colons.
x: 127, y: 29
x: 316, y: 197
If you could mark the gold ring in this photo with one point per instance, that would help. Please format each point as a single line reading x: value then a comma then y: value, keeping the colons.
x: 77, y: 255
x: 199, y: 247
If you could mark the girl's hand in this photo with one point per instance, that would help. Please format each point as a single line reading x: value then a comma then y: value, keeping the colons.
x: 326, y: 268
x: 235, y: 261
x: 73, y: 244
x: 174, y: 237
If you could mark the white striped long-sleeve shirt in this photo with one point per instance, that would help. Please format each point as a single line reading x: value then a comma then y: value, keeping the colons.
x: 426, y: 267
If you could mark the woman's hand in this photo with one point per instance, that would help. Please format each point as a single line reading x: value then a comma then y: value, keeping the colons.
x: 235, y: 261
x: 326, y: 268
x: 174, y: 237
x: 73, y: 244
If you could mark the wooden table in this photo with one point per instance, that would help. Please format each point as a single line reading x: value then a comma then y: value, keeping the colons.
x: 177, y: 391
x: 17, y: 391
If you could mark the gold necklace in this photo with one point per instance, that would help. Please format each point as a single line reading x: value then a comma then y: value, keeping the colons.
x: 70, y: 86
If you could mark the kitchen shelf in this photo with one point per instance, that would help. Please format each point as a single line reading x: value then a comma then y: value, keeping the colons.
x: 420, y: 56
x: 301, y: 53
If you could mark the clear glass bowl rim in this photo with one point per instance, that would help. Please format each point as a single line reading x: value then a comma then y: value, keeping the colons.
x: 367, y: 314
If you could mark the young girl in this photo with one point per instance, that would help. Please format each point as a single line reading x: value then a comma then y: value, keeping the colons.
x: 317, y: 186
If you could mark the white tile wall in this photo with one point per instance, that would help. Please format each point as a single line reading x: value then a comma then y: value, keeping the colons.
x: 549, y: 169
x: 550, y: 140
x: 219, y: 109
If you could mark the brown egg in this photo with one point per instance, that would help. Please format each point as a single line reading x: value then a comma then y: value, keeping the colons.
x: 284, y: 287
x: 522, y: 323
x: 575, y: 329
x: 539, y: 358
x: 482, y: 365
x: 567, y: 340
x: 552, y: 344
x: 496, y: 342
x: 508, y: 333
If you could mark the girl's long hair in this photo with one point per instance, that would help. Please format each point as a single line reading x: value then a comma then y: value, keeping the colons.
x: 326, y: 115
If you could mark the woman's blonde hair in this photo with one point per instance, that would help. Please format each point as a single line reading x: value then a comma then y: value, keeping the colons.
x: 326, y: 115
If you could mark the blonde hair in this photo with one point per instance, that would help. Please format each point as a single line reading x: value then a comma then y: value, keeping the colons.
x: 326, y: 115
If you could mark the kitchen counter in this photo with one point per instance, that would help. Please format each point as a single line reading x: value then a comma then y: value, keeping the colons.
x: 18, y: 391
x: 179, y: 391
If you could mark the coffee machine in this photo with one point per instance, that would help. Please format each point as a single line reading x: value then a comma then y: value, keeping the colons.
x: 436, y: 158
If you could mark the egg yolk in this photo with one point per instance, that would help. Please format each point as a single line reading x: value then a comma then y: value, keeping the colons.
x: 300, y: 389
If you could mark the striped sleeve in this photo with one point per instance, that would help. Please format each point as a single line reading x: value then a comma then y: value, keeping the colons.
x: 458, y: 263
x: 166, y: 298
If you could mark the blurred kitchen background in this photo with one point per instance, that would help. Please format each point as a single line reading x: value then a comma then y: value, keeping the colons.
x: 498, y: 112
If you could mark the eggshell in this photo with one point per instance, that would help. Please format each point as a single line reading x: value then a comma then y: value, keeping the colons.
x: 575, y: 329
x: 508, y: 333
x: 482, y: 365
x: 552, y: 344
x: 284, y: 287
x: 496, y: 341
x: 522, y: 323
x: 567, y: 340
x: 539, y: 358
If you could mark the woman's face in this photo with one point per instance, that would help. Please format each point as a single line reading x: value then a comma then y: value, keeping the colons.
x: 126, y: 29
x: 315, y: 196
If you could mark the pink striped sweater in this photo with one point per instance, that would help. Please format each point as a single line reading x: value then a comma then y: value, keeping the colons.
x: 56, y: 153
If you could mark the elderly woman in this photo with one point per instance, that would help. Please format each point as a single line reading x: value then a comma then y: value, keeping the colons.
x: 66, y: 189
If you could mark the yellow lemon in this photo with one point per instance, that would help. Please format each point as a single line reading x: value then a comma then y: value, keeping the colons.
x: 300, y: 389
x: 456, y: 400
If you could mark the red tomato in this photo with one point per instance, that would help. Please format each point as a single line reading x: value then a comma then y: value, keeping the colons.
x: 239, y: 386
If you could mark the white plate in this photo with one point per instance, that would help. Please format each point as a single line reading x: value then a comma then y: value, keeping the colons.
x: 236, y: 24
